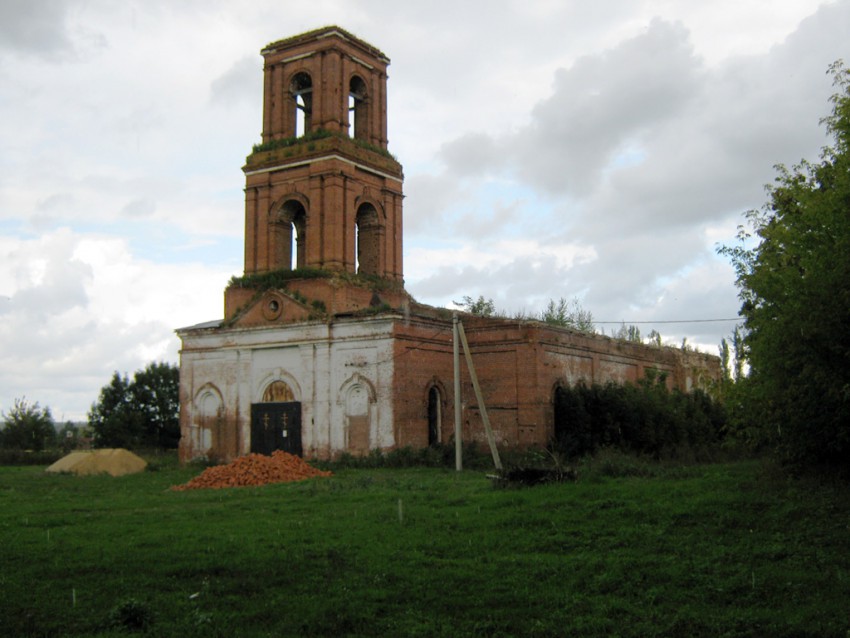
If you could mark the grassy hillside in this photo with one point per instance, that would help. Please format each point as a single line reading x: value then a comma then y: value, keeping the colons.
x: 717, y: 550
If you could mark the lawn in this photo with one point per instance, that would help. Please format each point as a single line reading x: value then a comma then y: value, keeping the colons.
x: 707, y: 550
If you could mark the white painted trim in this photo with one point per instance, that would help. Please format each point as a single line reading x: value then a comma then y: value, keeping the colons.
x: 298, y: 57
x: 369, y: 169
x: 359, y: 61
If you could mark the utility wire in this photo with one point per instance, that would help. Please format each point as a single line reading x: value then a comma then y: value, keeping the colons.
x: 670, y: 321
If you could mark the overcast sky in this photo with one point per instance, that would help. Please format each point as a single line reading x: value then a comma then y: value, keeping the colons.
x: 551, y: 148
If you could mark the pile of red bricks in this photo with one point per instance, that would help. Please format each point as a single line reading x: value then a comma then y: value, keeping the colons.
x: 253, y: 470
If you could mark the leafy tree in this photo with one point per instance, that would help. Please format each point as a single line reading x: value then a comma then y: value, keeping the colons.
x: 28, y: 427
x: 628, y: 333
x: 480, y: 307
x: 564, y: 313
x: 568, y: 314
x: 156, y: 396
x: 68, y: 436
x: 144, y: 412
x: 725, y: 360
x: 793, y: 276
x: 654, y: 338
x: 113, y: 418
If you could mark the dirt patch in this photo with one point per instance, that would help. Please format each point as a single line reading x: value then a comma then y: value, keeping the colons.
x: 253, y: 470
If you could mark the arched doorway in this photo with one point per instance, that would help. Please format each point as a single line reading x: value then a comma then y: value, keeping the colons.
x: 276, y: 421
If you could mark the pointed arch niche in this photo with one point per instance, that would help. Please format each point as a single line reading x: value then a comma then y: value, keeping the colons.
x: 358, y: 398
x: 206, y: 430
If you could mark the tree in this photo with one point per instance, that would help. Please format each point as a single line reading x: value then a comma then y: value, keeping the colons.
x: 480, y: 307
x: 28, y: 427
x: 654, y: 338
x: 568, y: 314
x: 144, y: 412
x: 113, y: 419
x: 156, y: 396
x: 564, y: 313
x: 629, y: 333
x: 68, y: 436
x: 793, y: 276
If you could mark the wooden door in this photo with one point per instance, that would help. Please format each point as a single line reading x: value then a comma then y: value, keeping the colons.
x: 276, y: 426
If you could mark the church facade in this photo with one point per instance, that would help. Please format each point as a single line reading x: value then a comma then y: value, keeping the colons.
x: 321, y: 350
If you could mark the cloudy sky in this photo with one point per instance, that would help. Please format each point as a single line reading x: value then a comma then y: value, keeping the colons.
x: 551, y: 148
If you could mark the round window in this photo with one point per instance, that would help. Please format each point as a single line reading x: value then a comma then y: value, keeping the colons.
x: 272, y: 307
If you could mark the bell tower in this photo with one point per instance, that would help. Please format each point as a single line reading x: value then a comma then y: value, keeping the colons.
x: 322, y: 191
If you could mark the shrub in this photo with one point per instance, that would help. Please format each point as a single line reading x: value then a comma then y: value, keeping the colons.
x: 645, y: 418
x: 130, y: 615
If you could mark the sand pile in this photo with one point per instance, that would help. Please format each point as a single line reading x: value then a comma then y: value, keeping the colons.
x: 116, y: 462
x: 253, y: 470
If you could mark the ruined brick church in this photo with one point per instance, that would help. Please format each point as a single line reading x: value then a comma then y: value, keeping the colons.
x: 321, y: 350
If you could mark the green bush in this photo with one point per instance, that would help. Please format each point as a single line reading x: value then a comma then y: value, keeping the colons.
x: 27, y: 457
x: 645, y: 418
x: 436, y: 456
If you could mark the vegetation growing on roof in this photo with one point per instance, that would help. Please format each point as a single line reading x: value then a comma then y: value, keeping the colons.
x: 271, y: 145
x: 277, y: 278
x: 280, y: 278
x: 315, y: 135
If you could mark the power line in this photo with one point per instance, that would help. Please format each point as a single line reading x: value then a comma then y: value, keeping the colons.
x: 670, y: 321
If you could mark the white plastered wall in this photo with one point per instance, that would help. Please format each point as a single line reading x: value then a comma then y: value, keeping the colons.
x: 325, y: 365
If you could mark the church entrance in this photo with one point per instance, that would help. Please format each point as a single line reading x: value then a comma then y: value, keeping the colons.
x: 276, y: 426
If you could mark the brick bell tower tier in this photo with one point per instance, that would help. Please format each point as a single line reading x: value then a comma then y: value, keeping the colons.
x: 323, y: 196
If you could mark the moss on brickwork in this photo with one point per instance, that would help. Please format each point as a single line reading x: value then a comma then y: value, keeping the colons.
x: 282, y: 150
x: 280, y: 278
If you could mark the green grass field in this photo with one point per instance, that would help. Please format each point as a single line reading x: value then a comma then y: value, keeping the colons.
x: 712, y: 550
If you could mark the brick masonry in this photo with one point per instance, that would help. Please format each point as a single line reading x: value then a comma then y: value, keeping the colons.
x: 370, y: 367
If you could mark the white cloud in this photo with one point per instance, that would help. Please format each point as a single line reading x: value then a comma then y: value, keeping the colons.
x: 551, y: 148
x: 77, y: 307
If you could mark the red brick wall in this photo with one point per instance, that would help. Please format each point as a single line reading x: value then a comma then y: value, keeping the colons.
x: 519, y: 365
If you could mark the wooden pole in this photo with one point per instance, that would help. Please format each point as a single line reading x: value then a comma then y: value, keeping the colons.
x: 458, y: 429
x: 486, y: 419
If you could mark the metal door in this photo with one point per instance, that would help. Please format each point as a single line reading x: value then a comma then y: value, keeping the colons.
x: 276, y: 426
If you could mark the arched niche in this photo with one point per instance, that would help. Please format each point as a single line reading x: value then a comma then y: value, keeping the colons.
x: 357, y: 396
